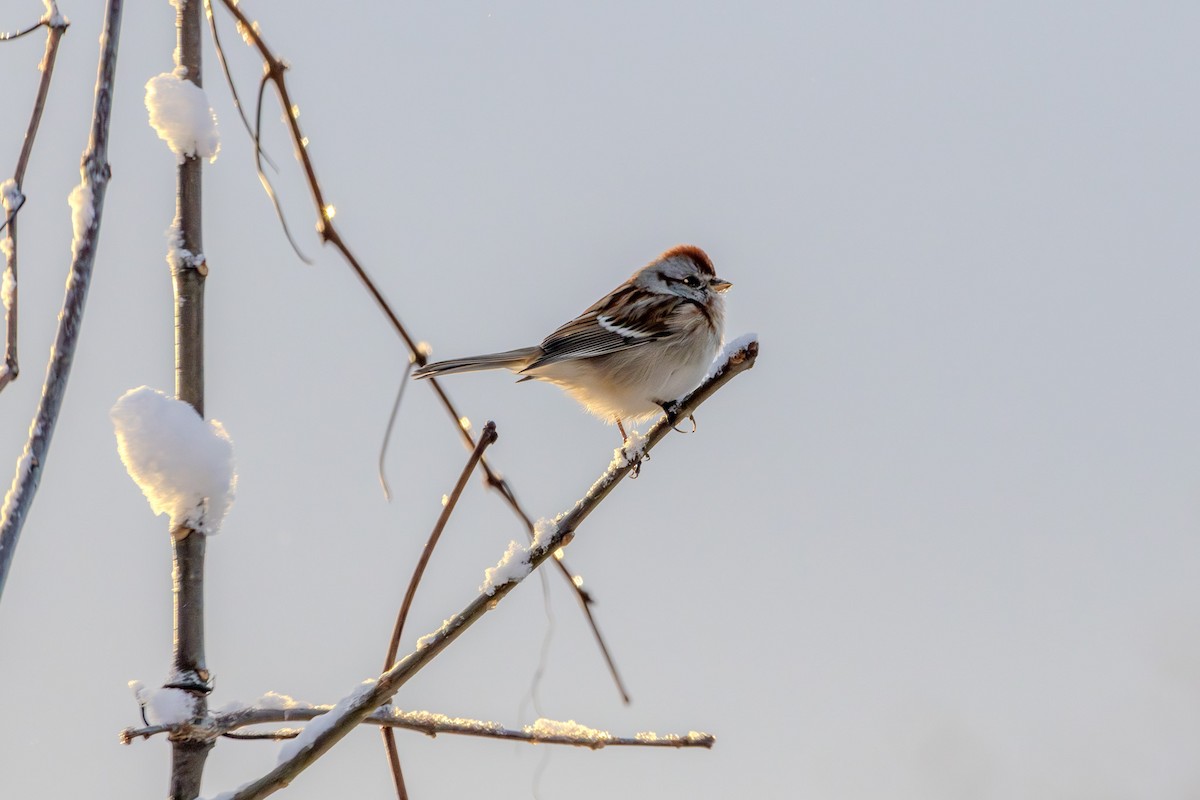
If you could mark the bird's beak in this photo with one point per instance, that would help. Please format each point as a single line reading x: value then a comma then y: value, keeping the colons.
x: 719, y: 285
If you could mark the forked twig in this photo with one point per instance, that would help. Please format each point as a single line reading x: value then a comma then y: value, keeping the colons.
x: 95, y: 174
x: 274, y: 71
x: 372, y: 694
x: 486, y: 438
x: 56, y: 26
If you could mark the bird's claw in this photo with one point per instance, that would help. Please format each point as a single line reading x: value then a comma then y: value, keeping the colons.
x: 691, y: 419
x: 637, y: 464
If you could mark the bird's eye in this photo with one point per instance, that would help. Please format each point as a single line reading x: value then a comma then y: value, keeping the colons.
x: 692, y: 281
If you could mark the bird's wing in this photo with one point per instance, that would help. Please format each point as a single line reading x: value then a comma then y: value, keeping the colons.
x: 601, y: 330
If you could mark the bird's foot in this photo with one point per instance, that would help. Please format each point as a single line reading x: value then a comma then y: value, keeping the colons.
x: 636, y: 461
x: 631, y: 450
x: 671, y: 409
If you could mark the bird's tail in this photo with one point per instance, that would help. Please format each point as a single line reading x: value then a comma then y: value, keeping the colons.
x: 509, y: 359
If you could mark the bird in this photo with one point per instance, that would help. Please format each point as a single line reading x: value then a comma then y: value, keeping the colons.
x: 634, y: 352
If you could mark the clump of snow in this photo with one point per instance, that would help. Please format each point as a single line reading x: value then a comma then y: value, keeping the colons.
x: 630, y: 452
x: 182, y: 117
x: 164, y: 706
x: 324, y: 722
x: 729, y: 349
x: 512, y: 567
x: 280, y: 702
x: 543, y: 531
x: 182, y: 464
x: 52, y: 17
x: 546, y: 728
x: 8, y: 291
x: 82, y: 211
x: 10, y: 196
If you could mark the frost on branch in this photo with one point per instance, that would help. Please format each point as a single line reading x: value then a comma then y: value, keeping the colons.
x: 182, y: 117
x: 551, y: 728
x: 83, y: 212
x: 183, y: 464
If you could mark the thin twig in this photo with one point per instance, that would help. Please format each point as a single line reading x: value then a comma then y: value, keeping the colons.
x: 274, y: 71
x: 373, y: 694
x: 390, y: 718
x: 393, y: 757
x: 56, y: 26
x: 237, y: 100
x: 275, y: 736
x: 486, y: 438
x: 95, y: 174
x: 8, y: 37
x: 387, y: 433
x: 262, y: 175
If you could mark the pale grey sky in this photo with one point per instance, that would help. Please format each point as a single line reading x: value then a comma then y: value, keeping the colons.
x: 940, y: 543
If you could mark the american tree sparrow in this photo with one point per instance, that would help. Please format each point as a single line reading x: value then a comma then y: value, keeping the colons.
x: 633, y: 353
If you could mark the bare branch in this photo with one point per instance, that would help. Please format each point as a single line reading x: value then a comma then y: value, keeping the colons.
x: 358, y: 706
x: 8, y: 37
x: 274, y: 70
x: 95, y: 174
x: 486, y: 438
x: 56, y: 26
x: 389, y: 717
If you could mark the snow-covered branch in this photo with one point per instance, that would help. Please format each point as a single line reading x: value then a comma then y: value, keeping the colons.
x: 87, y: 203
x: 356, y: 707
x: 543, y: 731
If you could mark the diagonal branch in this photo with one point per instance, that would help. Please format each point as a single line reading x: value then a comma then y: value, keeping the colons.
x: 389, y: 718
x: 274, y: 71
x: 89, y: 205
x: 13, y: 198
x: 358, y: 706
